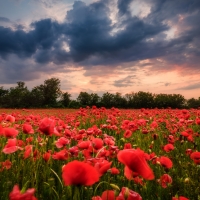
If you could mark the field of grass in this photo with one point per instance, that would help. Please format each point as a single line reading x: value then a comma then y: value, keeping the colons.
x: 97, y: 153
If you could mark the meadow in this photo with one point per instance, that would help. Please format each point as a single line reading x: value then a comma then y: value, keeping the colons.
x: 97, y: 154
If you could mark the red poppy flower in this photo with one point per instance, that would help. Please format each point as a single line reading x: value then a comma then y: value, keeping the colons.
x: 108, y: 195
x: 190, y: 138
x: 135, y: 160
x: 164, y: 180
x: 102, y: 166
x: 10, y: 132
x: 127, y: 194
x: 10, y: 118
x: 7, y: 164
x: 184, y: 133
x: 61, y: 155
x: 165, y: 162
x: 47, y: 126
x: 97, y: 143
x: 28, y: 151
x: 188, y: 151
x: 171, y: 139
x: 61, y: 142
x: 11, y: 146
x: 195, y: 156
x: 17, y: 195
x: 114, y: 171
x: 96, y: 198
x: 1, y: 118
x: 168, y: 147
x: 180, y: 198
x: 109, y: 140
x: 27, y: 129
x: 127, y: 146
x: 79, y: 173
x: 29, y: 139
x: 198, y: 121
x: 145, y: 131
x: 1, y: 130
x: 129, y: 174
x: 74, y: 151
x: 84, y: 144
x: 36, y: 154
x: 46, y: 156
x: 128, y: 134
x: 138, y: 181
x: 154, y: 124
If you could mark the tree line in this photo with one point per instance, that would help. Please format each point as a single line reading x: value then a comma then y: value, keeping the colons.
x: 49, y: 95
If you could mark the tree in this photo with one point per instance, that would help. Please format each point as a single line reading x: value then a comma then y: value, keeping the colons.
x: 84, y: 99
x: 143, y: 100
x: 36, y: 97
x: 3, y: 93
x: 193, y: 103
x: 162, y: 100
x: 94, y: 99
x: 74, y: 104
x: 107, y: 100
x: 119, y: 101
x: 130, y: 99
x: 18, y: 96
x: 65, y: 99
x: 177, y: 101
x: 51, y: 92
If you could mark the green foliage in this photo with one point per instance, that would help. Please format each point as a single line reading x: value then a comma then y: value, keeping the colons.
x: 3, y: 93
x: 17, y: 97
x: 65, y: 99
x: 51, y: 91
x: 49, y: 95
x: 74, y: 104
x: 36, y: 97
x: 193, y: 103
x: 107, y: 100
x: 169, y: 100
x: 84, y: 98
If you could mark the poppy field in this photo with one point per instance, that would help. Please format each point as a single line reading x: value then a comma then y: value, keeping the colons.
x: 100, y: 154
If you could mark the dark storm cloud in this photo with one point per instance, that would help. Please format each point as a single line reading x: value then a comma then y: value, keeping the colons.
x: 15, y: 70
x: 166, y: 9
x: 123, y: 6
x: 87, y: 32
x: 25, y: 44
x: 92, y: 38
x: 4, y: 19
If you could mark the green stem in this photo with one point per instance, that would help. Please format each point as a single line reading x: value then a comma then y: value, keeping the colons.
x: 99, y: 185
x: 76, y: 193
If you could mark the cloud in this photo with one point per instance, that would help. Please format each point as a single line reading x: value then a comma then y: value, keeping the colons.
x: 127, y: 81
x: 86, y: 31
x: 27, y: 70
x: 4, y: 19
x: 167, y: 84
x: 190, y: 87
x: 89, y: 37
x: 15, y: 70
x: 123, y: 6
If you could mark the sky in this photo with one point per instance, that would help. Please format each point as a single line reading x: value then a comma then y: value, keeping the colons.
x: 102, y: 46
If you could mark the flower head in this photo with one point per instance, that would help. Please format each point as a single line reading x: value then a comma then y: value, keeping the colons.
x: 79, y: 173
x: 17, y: 195
x: 135, y: 160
